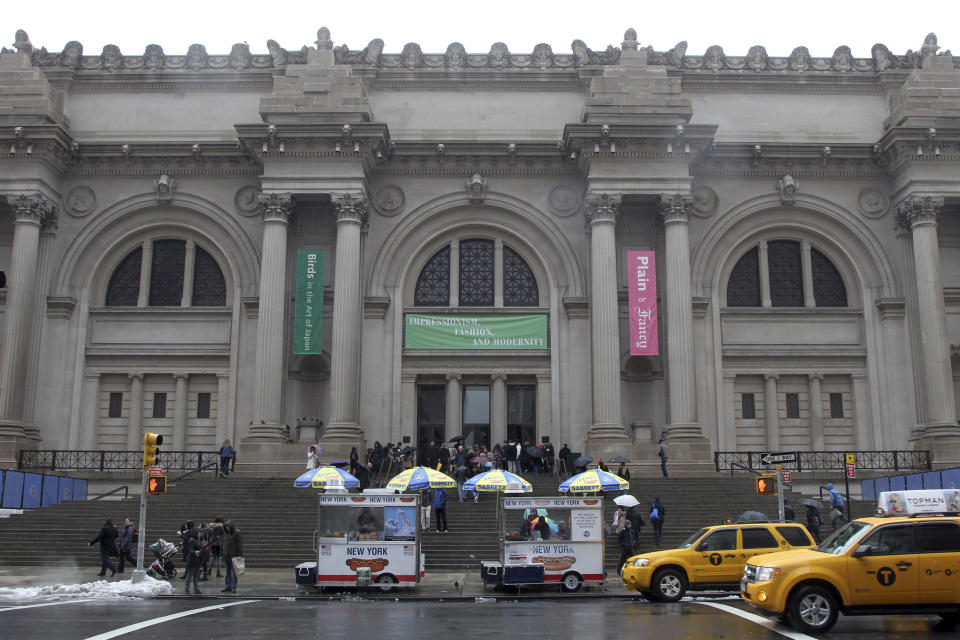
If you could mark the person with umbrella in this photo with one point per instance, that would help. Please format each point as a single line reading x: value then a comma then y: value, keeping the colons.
x: 627, y: 539
x: 563, y: 455
x: 788, y: 513
x: 313, y: 457
x: 814, y: 522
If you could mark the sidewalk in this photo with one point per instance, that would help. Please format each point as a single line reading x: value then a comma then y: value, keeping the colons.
x: 280, y: 583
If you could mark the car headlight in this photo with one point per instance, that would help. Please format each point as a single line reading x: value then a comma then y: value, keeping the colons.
x: 767, y: 573
x: 641, y: 562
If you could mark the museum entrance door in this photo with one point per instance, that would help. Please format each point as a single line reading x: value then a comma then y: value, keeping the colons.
x: 476, y: 415
x: 431, y: 414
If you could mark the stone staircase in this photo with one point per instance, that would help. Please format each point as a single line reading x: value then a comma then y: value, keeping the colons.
x: 278, y: 521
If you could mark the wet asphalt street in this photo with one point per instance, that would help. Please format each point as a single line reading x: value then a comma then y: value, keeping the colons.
x: 314, y: 618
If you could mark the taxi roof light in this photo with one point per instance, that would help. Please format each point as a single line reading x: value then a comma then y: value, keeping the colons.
x: 919, y: 502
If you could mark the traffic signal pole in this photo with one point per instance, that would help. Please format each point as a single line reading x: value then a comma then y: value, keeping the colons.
x: 139, y: 573
x: 780, y: 490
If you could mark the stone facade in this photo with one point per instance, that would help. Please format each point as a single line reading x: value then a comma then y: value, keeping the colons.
x: 804, y: 212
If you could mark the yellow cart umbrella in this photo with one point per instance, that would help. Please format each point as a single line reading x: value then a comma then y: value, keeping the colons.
x: 594, y: 480
x: 420, y: 478
x: 323, y: 476
x: 498, y: 480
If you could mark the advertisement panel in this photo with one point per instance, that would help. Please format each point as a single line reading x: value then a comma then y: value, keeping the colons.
x: 502, y: 331
x: 642, y: 287
x: 308, y: 308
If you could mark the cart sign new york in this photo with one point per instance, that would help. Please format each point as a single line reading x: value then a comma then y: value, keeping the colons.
x: 475, y: 332
x: 642, y: 285
x: 308, y: 310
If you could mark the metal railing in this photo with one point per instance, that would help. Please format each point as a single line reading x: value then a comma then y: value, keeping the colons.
x: 124, y: 488
x: 829, y: 460
x: 101, y: 460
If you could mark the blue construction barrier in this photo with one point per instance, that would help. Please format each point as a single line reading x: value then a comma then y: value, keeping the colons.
x: 914, y: 481
x: 13, y: 490
x: 932, y: 480
x: 32, y: 490
x: 942, y: 479
x: 51, y: 490
x: 79, y: 489
x: 66, y: 489
x: 950, y: 478
x: 868, y: 489
x: 1, y: 484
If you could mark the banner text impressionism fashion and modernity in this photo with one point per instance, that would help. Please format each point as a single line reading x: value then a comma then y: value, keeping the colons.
x: 308, y: 309
x: 502, y: 331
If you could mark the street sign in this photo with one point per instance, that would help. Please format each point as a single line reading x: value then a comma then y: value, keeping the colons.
x: 156, y: 484
x: 774, y: 458
x: 766, y: 485
x: 786, y: 476
x: 851, y: 458
x: 851, y: 471
x: 155, y: 471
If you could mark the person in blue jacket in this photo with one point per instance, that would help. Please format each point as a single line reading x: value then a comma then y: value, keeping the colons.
x: 440, y: 509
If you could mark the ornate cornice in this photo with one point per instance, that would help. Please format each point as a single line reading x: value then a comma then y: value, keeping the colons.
x: 798, y: 160
x: 351, y: 208
x: 33, y: 209
x: 276, y: 207
x: 919, y: 211
x: 637, y: 141
x: 676, y: 208
x: 602, y: 208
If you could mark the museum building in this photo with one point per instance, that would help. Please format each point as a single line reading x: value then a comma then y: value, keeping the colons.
x: 351, y: 246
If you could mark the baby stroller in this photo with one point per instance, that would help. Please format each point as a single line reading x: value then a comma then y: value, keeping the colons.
x: 162, y: 568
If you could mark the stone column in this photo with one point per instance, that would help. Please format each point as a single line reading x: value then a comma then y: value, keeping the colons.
x: 343, y: 425
x: 180, y: 412
x: 223, y: 401
x: 454, y: 417
x: 30, y: 213
x: 816, y: 411
x: 90, y: 406
x: 498, y: 408
x: 544, y: 415
x: 601, y: 216
x: 862, y: 417
x: 770, y: 411
x: 680, y: 358
x: 268, y: 389
x: 408, y: 405
x: 135, y: 419
x: 921, y: 214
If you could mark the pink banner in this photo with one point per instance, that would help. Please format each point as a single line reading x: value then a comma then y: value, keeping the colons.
x: 642, y: 285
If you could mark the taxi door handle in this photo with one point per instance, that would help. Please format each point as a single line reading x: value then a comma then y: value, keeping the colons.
x: 904, y: 564
x: 731, y: 555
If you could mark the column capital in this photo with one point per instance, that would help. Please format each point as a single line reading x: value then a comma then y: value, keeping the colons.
x: 815, y: 376
x: 771, y: 376
x: 351, y: 208
x: 676, y: 208
x: 453, y: 376
x: 275, y: 207
x: 498, y: 376
x: 223, y: 376
x: 602, y: 208
x: 135, y: 375
x: 177, y: 375
x: 917, y: 211
x: 32, y: 208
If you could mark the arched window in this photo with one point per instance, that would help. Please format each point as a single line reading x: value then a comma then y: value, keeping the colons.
x: 171, y: 259
x: 783, y: 282
x: 473, y: 270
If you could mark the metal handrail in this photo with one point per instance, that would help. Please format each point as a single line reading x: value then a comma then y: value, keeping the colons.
x: 741, y: 467
x: 124, y: 488
x: 831, y: 460
x: 209, y: 465
x: 103, y: 460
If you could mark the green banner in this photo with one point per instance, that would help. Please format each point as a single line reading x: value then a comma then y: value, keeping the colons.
x: 308, y: 310
x: 475, y: 332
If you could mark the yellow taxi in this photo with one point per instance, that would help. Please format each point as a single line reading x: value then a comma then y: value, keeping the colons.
x: 906, y: 560
x: 712, y: 558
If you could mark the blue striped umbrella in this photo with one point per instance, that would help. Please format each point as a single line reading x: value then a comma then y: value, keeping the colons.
x: 594, y: 480
x: 322, y: 476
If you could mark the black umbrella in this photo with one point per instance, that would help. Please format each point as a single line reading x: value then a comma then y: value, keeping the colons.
x: 811, y: 502
x: 618, y: 459
x: 456, y: 438
x: 582, y: 461
x: 752, y: 516
x: 338, y: 463
x: 536, y: 452
x: 407, y: 451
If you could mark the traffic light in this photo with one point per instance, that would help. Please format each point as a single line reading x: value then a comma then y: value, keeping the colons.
x: 767, y: 485
x: 151, y: 454
x: 156, y: 484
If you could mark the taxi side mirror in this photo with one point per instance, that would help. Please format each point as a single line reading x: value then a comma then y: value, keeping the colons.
x: 703, y: 546
x: 862, y: 550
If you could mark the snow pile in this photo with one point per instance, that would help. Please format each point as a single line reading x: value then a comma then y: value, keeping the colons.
x: 147, y: 588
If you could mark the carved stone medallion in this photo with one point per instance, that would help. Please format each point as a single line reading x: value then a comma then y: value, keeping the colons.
x: 80, y: 201
x: 873, y: 202
x: 246, y: 200
x: 704, y: 202
x: 389, y: 199
x: 564, y: 200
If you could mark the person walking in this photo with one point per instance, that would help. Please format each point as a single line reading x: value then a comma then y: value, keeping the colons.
x: 788, y: 513
x: 126, y: 545
x: 216, y: 545
x: 664, y: 453
x: 813, y: 522
x: 313, y: 458
x: 627, y: 539
x: 635, y: 518
x: 440, y: 509
x: 461, y: 463
x: 194, y: 561
x: 657, y: 513
x: 426, y: 500
x: 837, y: 503
x: 226, y: 458
x: 108, y: 547
x: 562, y: 455
x: 354, y: 461
x: 232, y: 548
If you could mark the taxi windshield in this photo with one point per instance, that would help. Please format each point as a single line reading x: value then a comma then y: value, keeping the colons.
x: 843, y: 538
x: 692, y: 539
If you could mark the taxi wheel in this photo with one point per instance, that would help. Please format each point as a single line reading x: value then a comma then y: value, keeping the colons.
x: 812, y: 609
x: 386, y: 581
x: 669, y: 585
x: 571, y: 582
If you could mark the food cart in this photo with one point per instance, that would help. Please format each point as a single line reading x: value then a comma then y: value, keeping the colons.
x: 365, y: 540
x: 548, y: 540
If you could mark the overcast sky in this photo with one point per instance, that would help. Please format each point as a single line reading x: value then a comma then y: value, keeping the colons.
x: 521, y: 24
